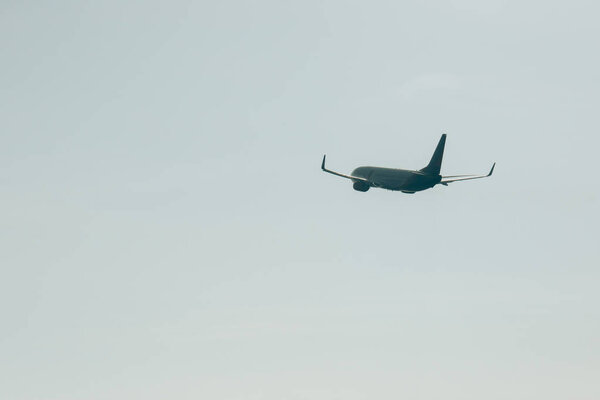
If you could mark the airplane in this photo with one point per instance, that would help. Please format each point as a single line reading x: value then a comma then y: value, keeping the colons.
x: 406, y: 181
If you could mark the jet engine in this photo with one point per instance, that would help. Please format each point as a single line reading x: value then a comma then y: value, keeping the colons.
x: 361, y: 186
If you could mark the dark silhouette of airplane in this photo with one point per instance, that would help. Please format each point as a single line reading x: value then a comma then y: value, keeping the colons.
x: 404, y: 180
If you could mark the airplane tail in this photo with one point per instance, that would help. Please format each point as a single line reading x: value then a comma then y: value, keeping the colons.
x: 435, y: 164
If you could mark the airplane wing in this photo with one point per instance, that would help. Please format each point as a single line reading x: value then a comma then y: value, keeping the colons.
x: 354, y: 178
x: 448, y: 179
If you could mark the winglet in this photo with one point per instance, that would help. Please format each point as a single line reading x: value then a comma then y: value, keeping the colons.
x: 323, y: 163
x: 491, y: 170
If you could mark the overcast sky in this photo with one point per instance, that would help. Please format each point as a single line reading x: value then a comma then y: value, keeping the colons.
x: 166, y: 231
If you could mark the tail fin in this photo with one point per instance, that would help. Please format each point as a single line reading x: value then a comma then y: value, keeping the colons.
x: 435, y: 164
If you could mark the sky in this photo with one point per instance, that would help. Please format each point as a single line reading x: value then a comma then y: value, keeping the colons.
x: 167, y: 232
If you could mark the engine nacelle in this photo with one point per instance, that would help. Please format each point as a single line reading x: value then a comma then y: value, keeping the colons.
x: 361, y: 186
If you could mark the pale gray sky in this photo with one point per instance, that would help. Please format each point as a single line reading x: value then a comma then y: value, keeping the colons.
x: 167, y: 232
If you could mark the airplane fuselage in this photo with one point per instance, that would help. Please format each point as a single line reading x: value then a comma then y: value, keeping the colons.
x: 404, y: 180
